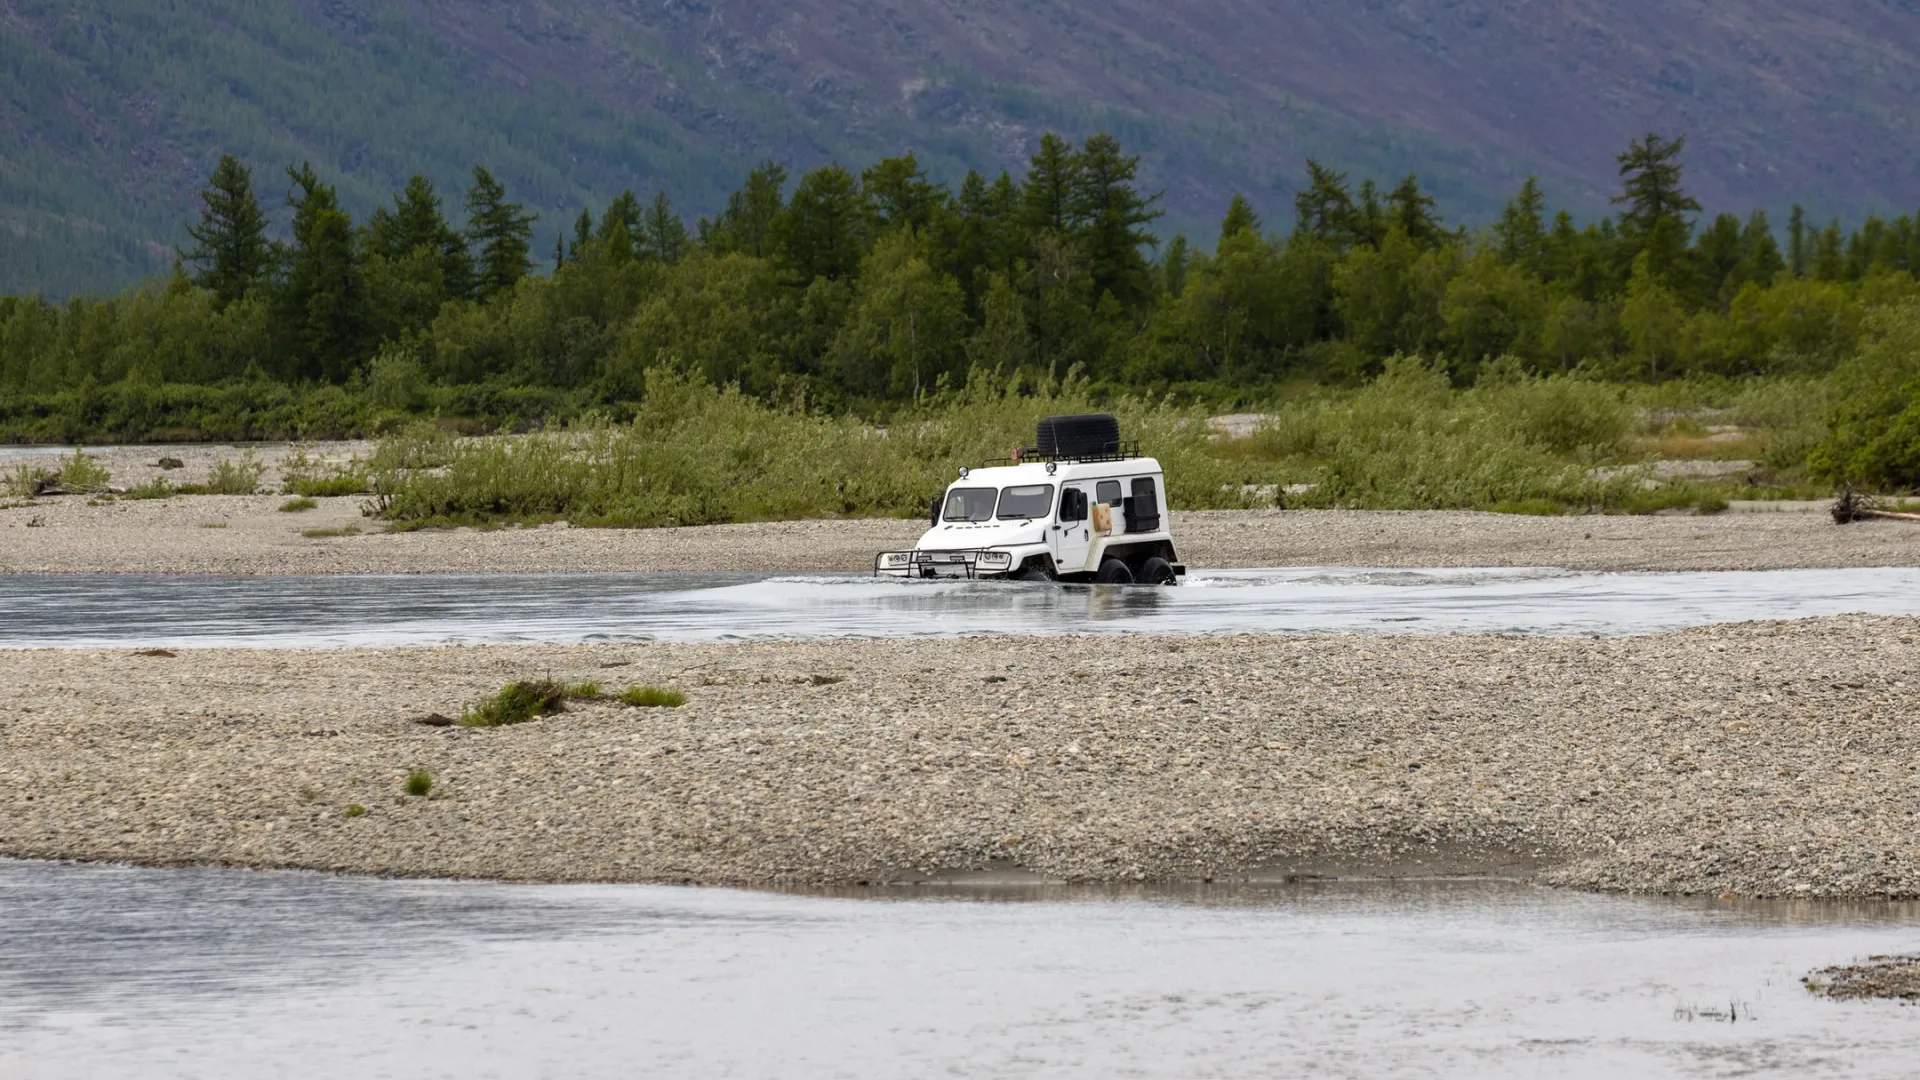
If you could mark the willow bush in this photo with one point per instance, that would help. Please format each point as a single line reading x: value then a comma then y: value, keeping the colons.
x: 695, y: 454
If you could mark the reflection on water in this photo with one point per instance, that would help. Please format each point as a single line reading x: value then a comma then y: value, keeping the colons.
x: 53, y: 610
x: 114, y: 972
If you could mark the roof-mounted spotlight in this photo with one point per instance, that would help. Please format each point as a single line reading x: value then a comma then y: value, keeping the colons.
x: 1052, y: 467
x: 964, y: 471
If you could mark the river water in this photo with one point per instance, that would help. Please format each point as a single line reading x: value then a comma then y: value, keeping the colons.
x: 60, y: 610
x: 121, y: 972
x: 116, y: 972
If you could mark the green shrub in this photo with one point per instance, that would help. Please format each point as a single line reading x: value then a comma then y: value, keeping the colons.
x: 329, y: 487
x: 330, y: 534
x: 517, y: 703
x: 294, y: 506
x: 419, y: 783
x: 240, y: 477
x: 586, y: 691
x: 20, y: 480
x: 156, y: 488
x: 82, y: 473
x: 699, y: 455
x: 354, y: 810
x: 653, y: 697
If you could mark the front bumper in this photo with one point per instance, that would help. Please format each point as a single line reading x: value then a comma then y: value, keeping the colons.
x: 985, y: 563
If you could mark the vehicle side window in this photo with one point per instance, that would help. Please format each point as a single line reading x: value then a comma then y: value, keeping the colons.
x: 1109, y: 492
x: 1143, y: 506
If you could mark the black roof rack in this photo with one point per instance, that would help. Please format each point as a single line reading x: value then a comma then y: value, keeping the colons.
x: 1120, y: 451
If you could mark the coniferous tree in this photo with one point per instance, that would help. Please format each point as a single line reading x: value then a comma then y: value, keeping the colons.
x: 899, y: 195
x: 1521, y: 230
x: 582, y: 234
x: 1798, y: 255
x: 416, y: 222
x: 322, y: 302
x: 822, y: 232
x: 664, y: 234
x: 1651, y: 171
x: 1175, y: 263
x: 1760, y: 261
x: 1240, y: 218
x: 747, y: 224
x: 1324, y: 210
x: 503, y: 233
x: 623, y: 214
x: 1412, y: 212
x: 1052, y: 177
x: 1656, y: 221
x: 1112, y: 217
x: 230, y: 251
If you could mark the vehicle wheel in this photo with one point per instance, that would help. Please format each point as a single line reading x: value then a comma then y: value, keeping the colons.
x: 1157, y: 571
x: 1030, y: 572
x: 1113, y: 572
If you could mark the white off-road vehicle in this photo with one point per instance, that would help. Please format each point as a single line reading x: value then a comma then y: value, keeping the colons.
x: 1079, y: 505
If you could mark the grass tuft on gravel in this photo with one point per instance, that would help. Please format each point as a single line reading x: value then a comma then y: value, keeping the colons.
x: 354, y: 810
x: 653, y: 697
x: 294, y: 506
x: 517, y: 703
x: 328, y: 534
x: 419, y: 783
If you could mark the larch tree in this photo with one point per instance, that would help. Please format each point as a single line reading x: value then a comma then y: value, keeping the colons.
x: 1239, y: 218
x: 663, y: 234
x: 502, y: 231
x: 1112, y: 217
x: 322, y: 302
x: 230, y: 249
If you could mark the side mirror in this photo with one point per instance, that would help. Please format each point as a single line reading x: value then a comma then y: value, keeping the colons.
x: 933, y: 513
x: 1073, y: 506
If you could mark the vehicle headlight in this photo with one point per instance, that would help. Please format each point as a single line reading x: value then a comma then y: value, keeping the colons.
x: 899, y: 558
x: 996, y: 558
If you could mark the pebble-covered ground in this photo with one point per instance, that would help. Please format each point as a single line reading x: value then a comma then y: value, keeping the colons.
x: 210, y: 534
x: 1775, y: 759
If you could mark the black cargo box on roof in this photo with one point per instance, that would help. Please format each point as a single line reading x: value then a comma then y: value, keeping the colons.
x: 1086, y: 434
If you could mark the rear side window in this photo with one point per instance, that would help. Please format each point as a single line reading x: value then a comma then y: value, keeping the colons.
x: 1108, y: 492
x: 1143, y: 507
x: 970, y: 504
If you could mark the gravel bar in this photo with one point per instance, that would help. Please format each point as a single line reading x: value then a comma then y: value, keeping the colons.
x: 1763, y: 759
x: 249, y: 535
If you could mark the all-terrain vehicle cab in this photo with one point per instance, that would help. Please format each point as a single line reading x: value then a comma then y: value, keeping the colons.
x: 1078, y: 505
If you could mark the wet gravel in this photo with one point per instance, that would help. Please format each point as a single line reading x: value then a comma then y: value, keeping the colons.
x: 1767, y: 759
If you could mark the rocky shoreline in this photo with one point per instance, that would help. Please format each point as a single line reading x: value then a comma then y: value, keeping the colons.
x: 1762, y: 760
x: 244, y: 535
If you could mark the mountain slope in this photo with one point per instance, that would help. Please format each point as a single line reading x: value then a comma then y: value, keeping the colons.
x: 114, y: 112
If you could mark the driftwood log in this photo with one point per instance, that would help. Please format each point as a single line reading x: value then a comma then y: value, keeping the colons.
x: 1853, y: 506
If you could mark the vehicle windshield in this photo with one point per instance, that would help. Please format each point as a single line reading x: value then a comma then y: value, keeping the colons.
x: 969, y: 504
x: 1026, y: 501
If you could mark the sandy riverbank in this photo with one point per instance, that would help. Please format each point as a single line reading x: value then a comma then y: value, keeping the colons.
x: 1765, y: 760
x: 250, y: 535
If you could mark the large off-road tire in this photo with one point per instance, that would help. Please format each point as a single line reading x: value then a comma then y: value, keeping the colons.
x: 1113, y: 572
x: 1157, y: 571
x: 1073, y: 436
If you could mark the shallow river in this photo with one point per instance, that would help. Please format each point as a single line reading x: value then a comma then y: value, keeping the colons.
x: 391, y: 610
x: 116, y: 972
x: 112, y: 972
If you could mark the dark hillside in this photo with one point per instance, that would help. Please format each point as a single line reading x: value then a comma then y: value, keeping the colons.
x: 112, y: 113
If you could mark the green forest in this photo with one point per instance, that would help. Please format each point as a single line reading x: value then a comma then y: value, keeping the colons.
x: 874, y: 296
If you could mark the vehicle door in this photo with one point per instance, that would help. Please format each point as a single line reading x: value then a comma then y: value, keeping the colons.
x: 1071, y: 534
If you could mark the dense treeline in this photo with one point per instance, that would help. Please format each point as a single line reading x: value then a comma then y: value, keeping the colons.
x: 858, y: 291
